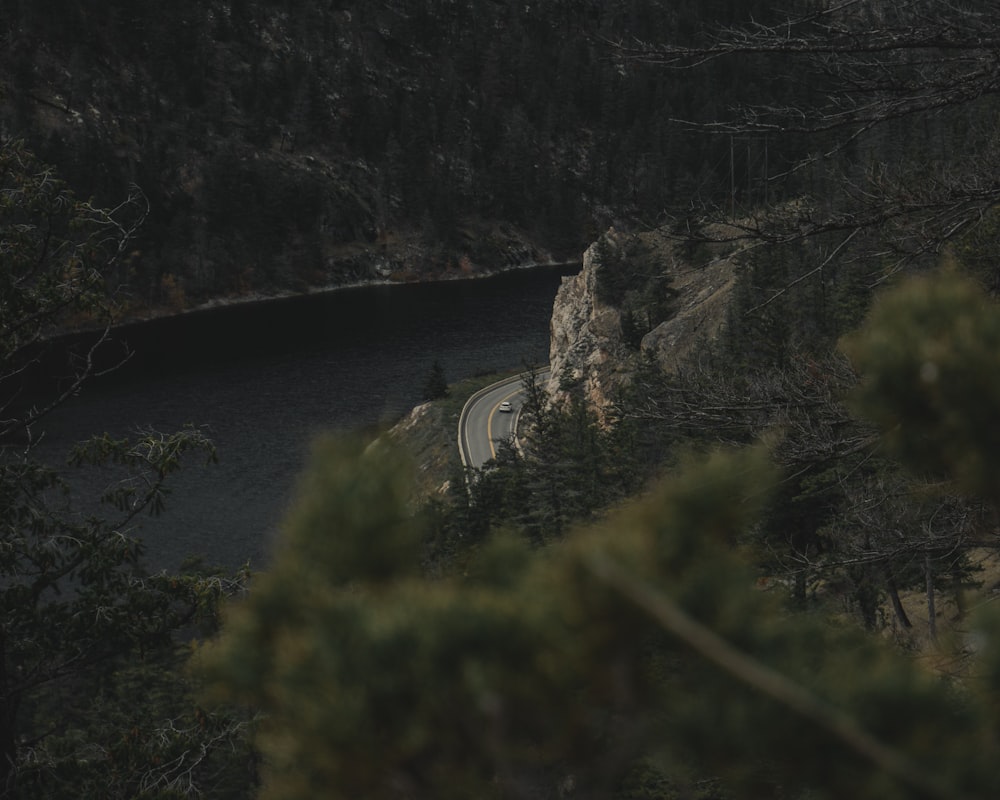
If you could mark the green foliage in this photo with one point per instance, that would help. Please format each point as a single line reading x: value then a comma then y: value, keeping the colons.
x: 631, y: 277
x: 251, y: 126
x: 638, y: 654
x: 436, y: 385
x: 642, y: 635
x: 142, y: 734
x: 975, y: 251
x: 495, y: 677
x: 43, y: 224
x: 632, y: 330
x: 612, y: 271
x: 77, y: 606
x: 150, y: 459
x: 924, y: 351
x: 59, y: 257
x: 82, y: 621
x: 572, y: 468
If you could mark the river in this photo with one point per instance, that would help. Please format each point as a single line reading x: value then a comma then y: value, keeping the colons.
x: 265, y: 378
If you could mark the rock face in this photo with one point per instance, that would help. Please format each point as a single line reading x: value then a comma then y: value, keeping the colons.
x: 703, y: 300
x: 586, y: 350
x: 589, y: 352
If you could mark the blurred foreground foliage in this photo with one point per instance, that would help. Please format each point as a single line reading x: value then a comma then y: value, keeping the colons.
x: 639, y: 656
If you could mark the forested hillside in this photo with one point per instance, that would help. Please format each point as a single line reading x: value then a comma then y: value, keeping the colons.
x: 766, y: 569
x: 281, y: 145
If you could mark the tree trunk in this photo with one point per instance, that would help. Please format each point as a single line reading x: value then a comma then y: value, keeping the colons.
x: 897, y: 604
x: 8, y: 741
x: 931, y: 612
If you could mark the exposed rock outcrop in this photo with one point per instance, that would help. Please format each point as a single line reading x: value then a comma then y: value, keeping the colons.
x: 591, y: 351
x: 587, y: 349
x: 704, y: 294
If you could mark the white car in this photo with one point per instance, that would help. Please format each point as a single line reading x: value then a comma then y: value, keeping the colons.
x: 505, y: 407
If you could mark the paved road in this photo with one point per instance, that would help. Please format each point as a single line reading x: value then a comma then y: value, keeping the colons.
x: 481, y: 424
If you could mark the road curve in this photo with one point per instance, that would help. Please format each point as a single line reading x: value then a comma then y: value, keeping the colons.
x: 481, y: 424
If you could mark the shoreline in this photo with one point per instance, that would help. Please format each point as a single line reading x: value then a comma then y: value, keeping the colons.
x: 214, y: 304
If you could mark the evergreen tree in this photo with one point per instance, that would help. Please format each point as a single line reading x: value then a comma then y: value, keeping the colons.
x: 79, y: 610
x: 641, y: 640
x: 436, y: 385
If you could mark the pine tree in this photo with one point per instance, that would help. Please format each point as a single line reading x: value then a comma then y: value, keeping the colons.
x: 79, y: 610
x: 436, y: 385
x: 641, y: 642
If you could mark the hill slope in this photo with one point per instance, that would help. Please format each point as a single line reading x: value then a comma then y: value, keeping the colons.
x: 282, y: 145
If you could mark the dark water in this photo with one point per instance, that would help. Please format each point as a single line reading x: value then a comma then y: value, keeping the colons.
x: 265, y: 379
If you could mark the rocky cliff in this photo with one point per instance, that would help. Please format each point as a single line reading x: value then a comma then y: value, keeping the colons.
x: 587, y: 351
x: 672, y: 309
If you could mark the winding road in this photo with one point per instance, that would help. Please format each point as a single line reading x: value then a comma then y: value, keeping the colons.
x: 481, y: 424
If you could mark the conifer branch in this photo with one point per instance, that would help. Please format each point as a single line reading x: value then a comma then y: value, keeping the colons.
x: 768, y: 681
